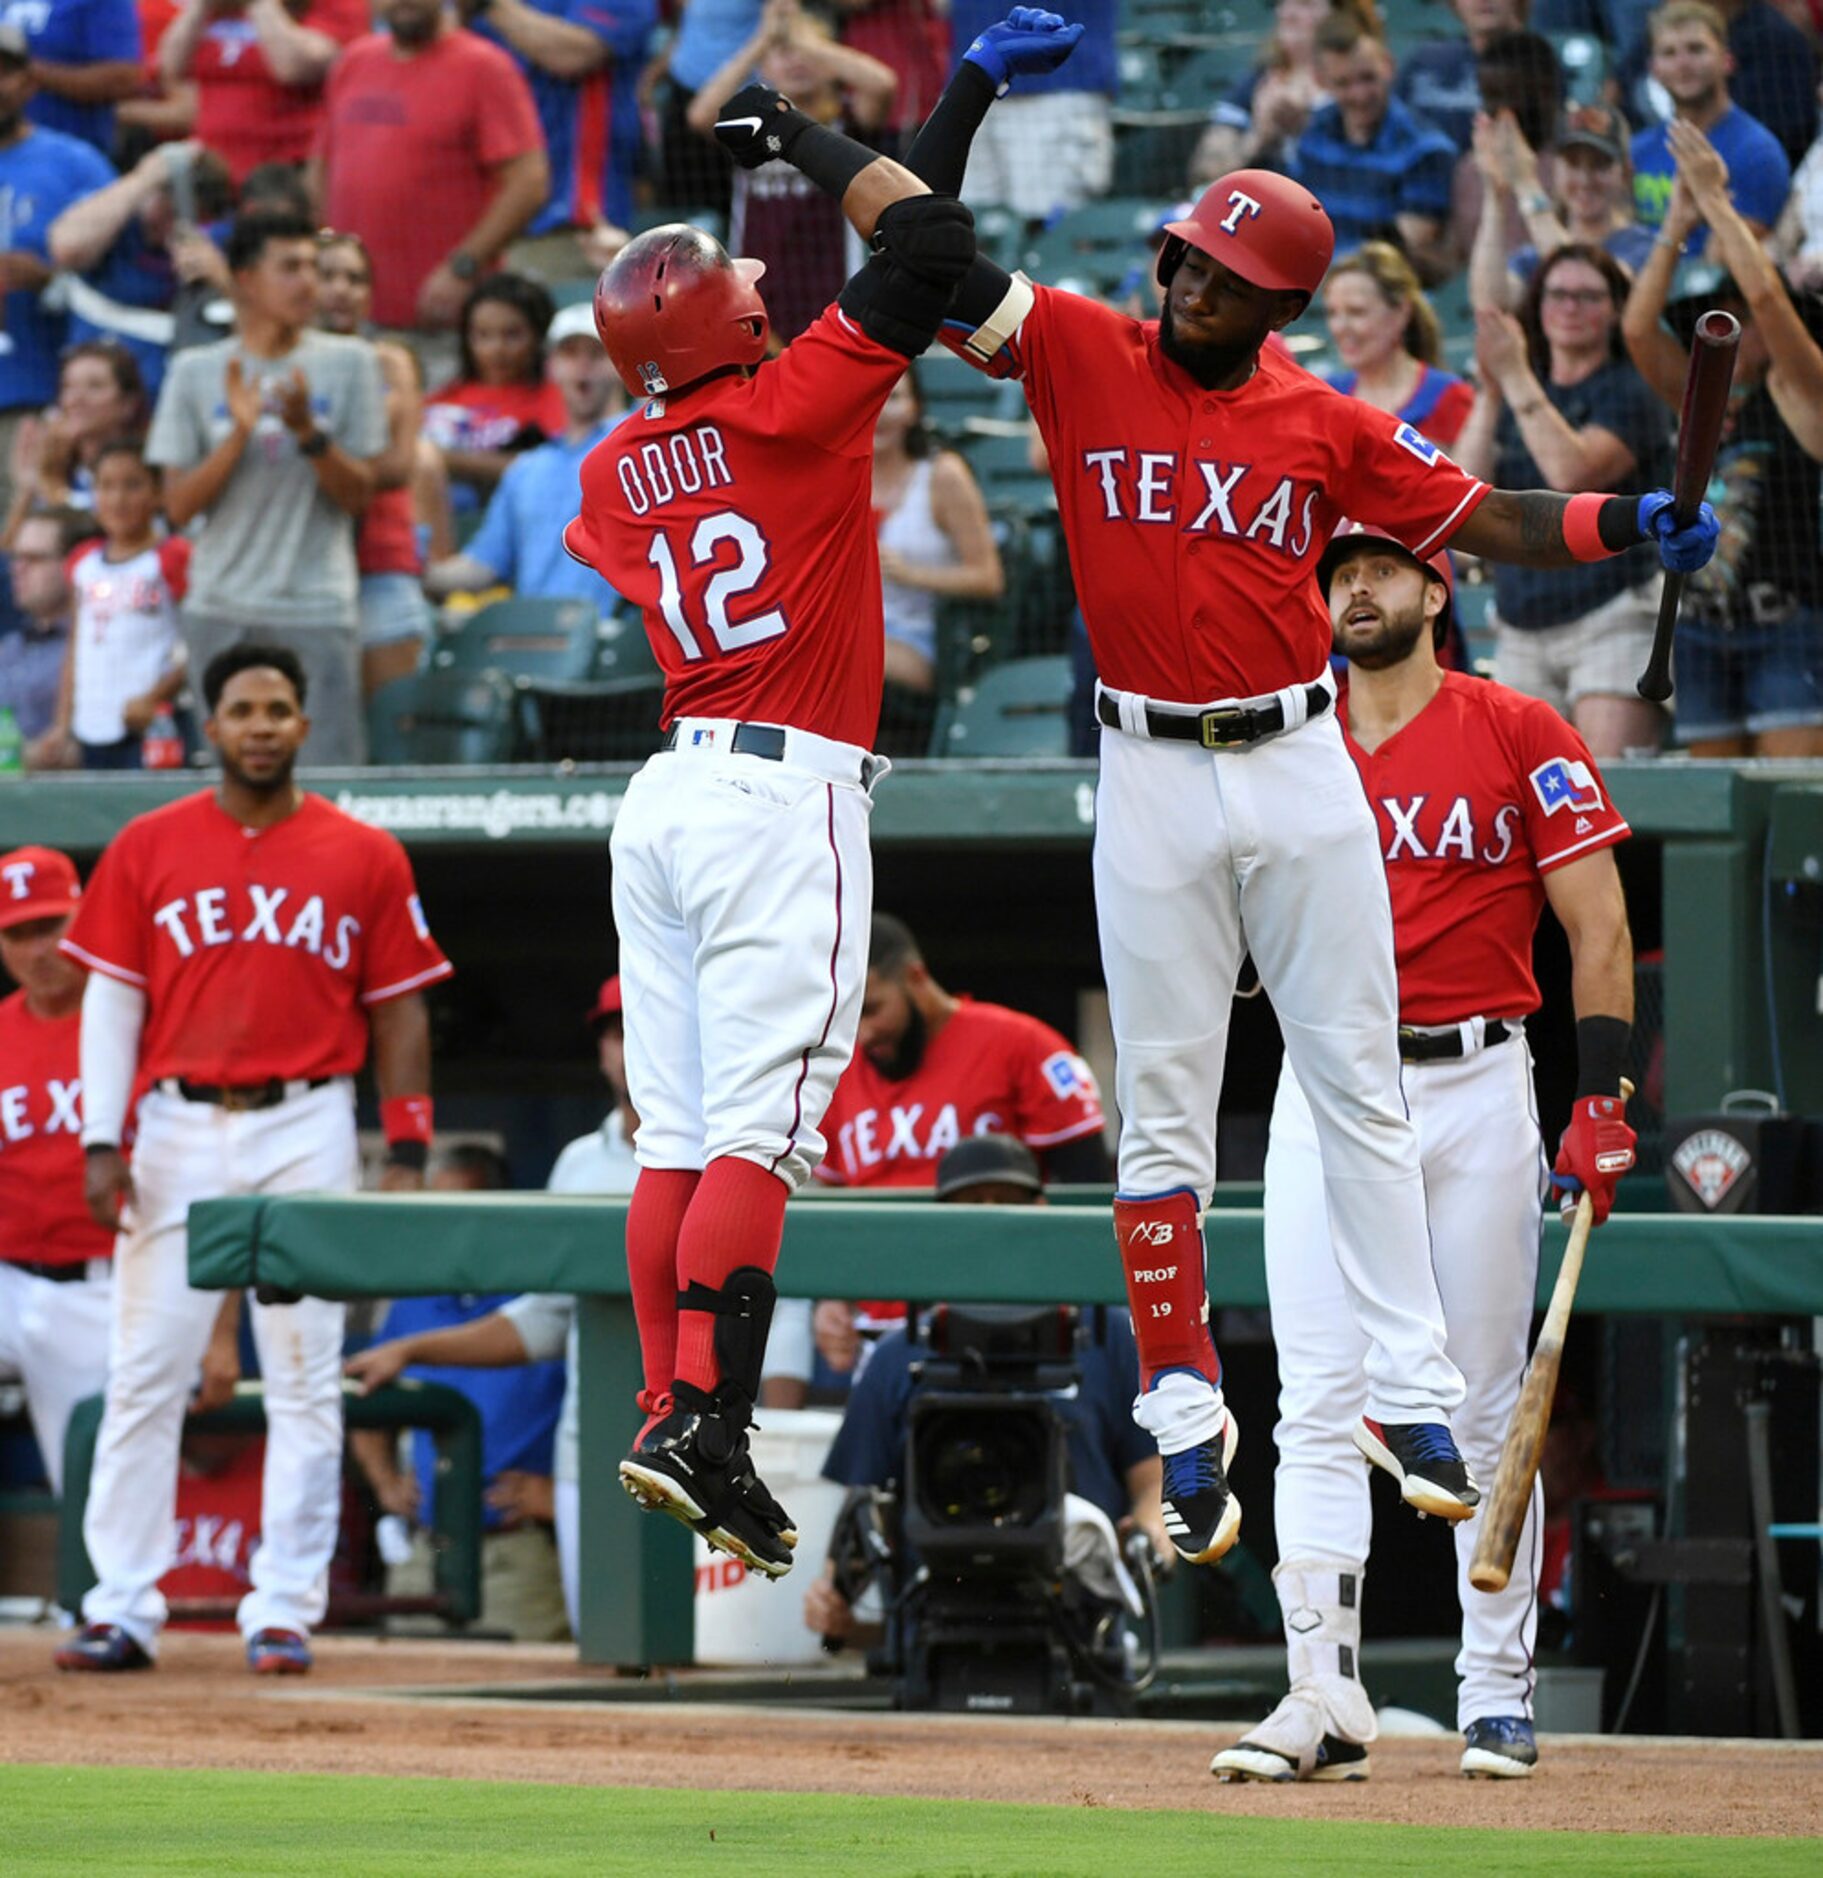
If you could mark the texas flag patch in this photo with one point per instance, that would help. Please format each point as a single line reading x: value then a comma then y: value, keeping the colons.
x: 1566, y: 782
x: 1416, y: 442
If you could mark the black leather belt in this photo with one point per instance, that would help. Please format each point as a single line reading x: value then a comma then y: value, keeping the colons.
x: 1442, y: 1046
x: 763, y: 740
x: 239, y: 1097
x: 69, y: 1274
x: 1222, y: 726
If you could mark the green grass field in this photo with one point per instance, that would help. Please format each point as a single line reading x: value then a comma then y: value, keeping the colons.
x: 106, y: 1820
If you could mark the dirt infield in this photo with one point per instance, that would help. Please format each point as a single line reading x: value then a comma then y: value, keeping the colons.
x: 200, y: 1708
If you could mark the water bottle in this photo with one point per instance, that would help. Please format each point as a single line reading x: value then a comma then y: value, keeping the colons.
x: 162, y: 747
x: 12, y: 745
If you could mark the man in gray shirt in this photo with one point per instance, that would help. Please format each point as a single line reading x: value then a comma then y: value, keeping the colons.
x: 269, y: 437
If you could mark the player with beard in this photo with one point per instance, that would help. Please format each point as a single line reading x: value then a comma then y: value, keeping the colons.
x: 1488, y: 805
x: 1199, y: 477
x: 245, y: 945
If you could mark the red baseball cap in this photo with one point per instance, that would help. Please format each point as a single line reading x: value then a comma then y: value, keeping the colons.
x: 36, y: 883
x: 607, y: 1003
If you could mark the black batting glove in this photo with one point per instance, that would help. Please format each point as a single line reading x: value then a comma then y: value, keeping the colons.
x: 759, y: 124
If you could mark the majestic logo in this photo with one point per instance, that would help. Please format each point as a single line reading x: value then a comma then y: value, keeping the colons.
x: 19, y: 879
x: 1239, y: 204
x: 1152, y: 1232
x: 1566, y: 782
x: 1711, y: 1163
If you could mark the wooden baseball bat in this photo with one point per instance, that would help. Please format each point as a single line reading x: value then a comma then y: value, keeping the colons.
x: 1699, y: 431
x: 1503, y: 1512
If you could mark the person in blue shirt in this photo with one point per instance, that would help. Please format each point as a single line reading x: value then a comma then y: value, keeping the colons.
x: 1690, y: 58
x: 1438, y: 79
x: 86, y: 58
x: 582, y: 59
x: 1109, y: 1468
x: 517, y: 544
x: 519, y: 1405
x: 1381, y: 172
x: 41, y: 173
x: 1050, y: 146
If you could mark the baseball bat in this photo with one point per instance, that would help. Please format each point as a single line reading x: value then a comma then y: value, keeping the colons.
x: 1699, y: 431
x: 1503, y: 1514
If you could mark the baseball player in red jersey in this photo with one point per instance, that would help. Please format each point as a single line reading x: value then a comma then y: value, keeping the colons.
x: 931, y: 1069
x: 1488, y: 805
x: 1199, y: 476
x: 55, y: 1274
x: 735, y: 506
x: 243, y: 946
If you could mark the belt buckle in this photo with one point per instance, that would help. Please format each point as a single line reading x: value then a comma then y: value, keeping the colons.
x: 1224, y: 727
x: 240, y: 1101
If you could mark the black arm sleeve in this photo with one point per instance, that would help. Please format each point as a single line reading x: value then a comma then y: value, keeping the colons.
x: 1082, y: 1162
x: 939, y: 152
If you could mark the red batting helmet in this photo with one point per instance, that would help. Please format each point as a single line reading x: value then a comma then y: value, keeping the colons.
x: 1259, y: 225
x: 672, y: 307
x: 1437, y: 567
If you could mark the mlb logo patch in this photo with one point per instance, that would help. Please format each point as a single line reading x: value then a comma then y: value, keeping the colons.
x: 703, y: 738
x: 1416, y: 442
x: 1566, y: 783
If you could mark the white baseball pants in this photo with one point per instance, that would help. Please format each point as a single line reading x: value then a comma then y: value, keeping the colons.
x: 56, y: 1337
x: 1485, y: 1176
x: 743, y: 890
x: 192, y: 1151
x: 1200, y: 857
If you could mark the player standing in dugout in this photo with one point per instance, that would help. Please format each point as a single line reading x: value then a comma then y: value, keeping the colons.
x: 1199, y: 477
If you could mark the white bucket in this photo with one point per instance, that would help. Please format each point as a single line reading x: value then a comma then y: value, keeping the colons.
x: 743, y: 1617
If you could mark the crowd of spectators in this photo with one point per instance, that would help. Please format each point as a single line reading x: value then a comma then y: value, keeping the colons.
x: 362, y: 435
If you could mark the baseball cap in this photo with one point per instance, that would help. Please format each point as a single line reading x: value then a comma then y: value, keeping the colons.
x: 607, y: 1003
x: 1595, y: 127
x: 1351, y: 535
x: 572, y: 322
x: 36, y: 883
x: 15, y: 48
x: 987, y: 1160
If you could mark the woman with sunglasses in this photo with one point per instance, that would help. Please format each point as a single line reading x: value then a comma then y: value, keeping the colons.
x: 1561, y: 407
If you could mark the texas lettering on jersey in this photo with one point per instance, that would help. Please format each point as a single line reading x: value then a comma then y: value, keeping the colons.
x: 988, y: 1070
x: 43, y: 1216
x: 1479, y: 797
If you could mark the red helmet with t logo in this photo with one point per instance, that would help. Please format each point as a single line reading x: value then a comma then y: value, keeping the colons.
x: 1259, y: 225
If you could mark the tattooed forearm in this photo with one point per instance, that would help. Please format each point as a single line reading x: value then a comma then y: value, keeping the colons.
x: 1541, y: 524
x: 1518, y: 525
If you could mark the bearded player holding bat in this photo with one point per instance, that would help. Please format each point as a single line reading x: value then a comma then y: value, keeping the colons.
x: 1199, y: 477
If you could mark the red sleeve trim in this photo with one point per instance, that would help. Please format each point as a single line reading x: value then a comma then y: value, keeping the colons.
x: 1441, y: 534
x: 1602, y: 838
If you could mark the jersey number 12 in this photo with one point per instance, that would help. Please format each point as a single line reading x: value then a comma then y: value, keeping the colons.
x: 724, y: 585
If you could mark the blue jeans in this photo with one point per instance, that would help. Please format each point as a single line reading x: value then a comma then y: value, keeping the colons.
x: 1753, y: 679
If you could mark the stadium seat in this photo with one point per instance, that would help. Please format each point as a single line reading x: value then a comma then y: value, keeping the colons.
x: 622, y: 650
x: 524, y: 638
x: 954, y: 391
x: 1017, y: 709
x: 1101, y: 242
x: 998, y: 450
x: 451, y: 717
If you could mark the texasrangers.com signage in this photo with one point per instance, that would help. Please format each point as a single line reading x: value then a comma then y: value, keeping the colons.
x: 497, y: 814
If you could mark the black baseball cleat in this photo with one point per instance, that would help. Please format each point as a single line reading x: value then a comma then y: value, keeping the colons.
x: 103, y: 1647
x: 1423, y: 1458
x: 694, y: 1464
x: 1201, y: 1514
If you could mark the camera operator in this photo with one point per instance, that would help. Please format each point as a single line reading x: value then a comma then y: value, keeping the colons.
x: 1113, y: 1465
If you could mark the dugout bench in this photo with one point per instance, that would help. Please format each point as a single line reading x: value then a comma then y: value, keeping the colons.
x: 635, y: 1607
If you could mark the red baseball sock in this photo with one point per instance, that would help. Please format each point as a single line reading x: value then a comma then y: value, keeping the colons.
x: 736, y: 1218
x: 660, y: 1197
x: 1161, y: 1253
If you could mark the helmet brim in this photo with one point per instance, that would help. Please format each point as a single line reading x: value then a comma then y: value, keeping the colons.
x: 1249, y: 267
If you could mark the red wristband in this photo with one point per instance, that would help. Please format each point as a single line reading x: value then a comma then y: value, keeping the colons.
x: 406, y: 1118
x: 1582, y: 528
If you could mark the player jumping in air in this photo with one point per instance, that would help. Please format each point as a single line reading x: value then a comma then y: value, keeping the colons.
x: 1199, y: 477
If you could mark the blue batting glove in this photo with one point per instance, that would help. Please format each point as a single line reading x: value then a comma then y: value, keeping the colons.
x: 1028, y: 40
x: 1680, y: 550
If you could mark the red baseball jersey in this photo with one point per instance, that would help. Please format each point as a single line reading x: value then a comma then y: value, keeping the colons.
x: 988, y: 1071
x: 741, y: 521
x: 258, y: 948
x: 1478, y: 798
x: 43, y: 1218
x: 1195, y: 518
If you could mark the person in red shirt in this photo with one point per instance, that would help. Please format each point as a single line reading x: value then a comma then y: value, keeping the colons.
x: 1198, y: 477
x: 429, y: 150
x: 55, y: 1270
x: 735, y: 506
x: 244, y: 946
x: 258, y: 67
x: 1488, y: 807
x: 931, y: 1069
